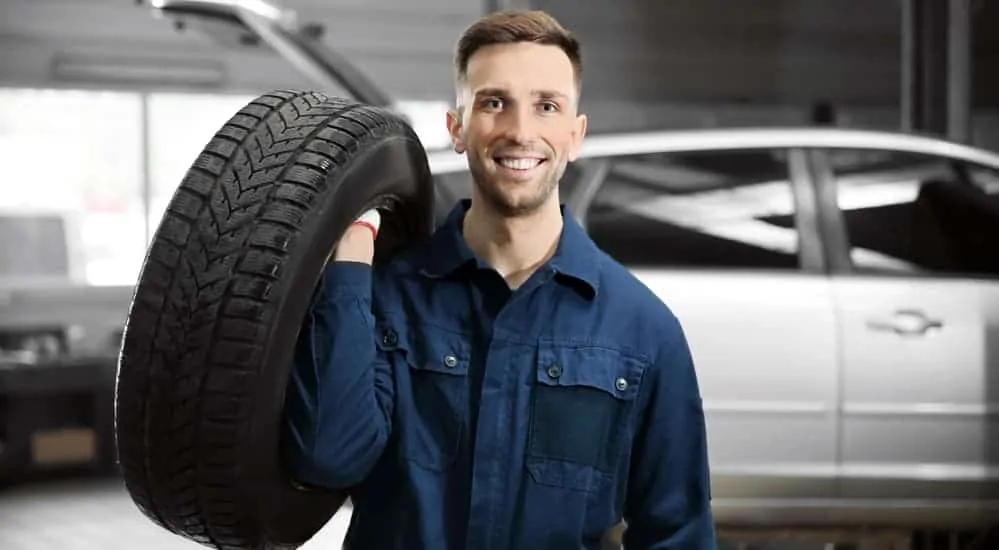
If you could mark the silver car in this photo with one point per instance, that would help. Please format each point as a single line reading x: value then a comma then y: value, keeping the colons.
x: 840, y: 291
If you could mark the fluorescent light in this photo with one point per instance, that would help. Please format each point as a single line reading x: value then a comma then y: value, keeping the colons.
x: 143, y: 70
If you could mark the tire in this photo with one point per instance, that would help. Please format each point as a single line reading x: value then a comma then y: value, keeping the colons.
x: 223, y: 291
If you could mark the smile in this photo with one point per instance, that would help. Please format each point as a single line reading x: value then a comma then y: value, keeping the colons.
x: 520, y: 164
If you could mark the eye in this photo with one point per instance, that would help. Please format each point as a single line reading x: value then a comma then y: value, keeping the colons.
x: 549, y: 106
x: 492, y: 103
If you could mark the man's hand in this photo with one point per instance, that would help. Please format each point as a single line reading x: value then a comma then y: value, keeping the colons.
x: 358, y: 242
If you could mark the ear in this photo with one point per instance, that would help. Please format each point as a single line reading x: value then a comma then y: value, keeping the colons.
x: 454, y: 128
x: 578, y: 133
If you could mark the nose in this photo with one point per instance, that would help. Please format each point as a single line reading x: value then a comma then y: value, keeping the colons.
x: 518, y: 124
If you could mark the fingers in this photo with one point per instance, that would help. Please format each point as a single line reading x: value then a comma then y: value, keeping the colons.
x: 358, y: 242
x: 371, y: 220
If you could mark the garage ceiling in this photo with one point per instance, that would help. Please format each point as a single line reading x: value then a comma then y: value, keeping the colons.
x: 41, y: 36
x: 789, y: 52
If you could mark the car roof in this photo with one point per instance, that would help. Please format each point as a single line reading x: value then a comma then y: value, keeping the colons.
x: 713, y: 139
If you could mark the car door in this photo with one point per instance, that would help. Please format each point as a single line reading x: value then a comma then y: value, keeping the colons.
x: 917, y: 292
x: 727, y: 240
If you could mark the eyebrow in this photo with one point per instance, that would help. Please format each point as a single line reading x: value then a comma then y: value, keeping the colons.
x: 503, y: 92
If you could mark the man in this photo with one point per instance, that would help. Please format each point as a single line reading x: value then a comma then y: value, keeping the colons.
x: 505, y: 384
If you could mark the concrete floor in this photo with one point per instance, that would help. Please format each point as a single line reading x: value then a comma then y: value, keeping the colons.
x: 98, y: 514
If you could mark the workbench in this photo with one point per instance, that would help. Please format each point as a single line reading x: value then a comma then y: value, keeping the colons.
x: 56, y: 416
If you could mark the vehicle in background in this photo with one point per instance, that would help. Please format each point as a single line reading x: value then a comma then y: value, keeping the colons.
x: 840, y: 292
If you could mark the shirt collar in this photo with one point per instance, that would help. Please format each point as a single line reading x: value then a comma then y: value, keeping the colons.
x: 447, y: 247
x: 576, y: 257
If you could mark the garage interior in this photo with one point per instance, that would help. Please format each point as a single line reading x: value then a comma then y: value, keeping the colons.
x: 104, y: 105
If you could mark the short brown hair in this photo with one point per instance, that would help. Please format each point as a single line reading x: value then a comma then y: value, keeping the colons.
x: 508, y: 27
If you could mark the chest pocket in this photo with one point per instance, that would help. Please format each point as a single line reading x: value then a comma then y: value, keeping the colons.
x: 431, y: 372
x: 582, y: 407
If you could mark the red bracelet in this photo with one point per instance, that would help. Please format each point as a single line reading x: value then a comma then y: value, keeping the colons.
x: 374, y: 230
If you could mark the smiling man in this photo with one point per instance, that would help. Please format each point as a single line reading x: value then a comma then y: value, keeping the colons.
x: 504, y: 384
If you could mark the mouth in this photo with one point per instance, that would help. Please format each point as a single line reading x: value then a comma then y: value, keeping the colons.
x: 518, y: 165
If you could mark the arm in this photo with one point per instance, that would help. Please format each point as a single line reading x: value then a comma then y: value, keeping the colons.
x: 668, y: 506
x: 339, y: 397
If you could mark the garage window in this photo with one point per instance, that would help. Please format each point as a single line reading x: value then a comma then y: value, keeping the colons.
x: 729, y: 209
x: 72, y: 204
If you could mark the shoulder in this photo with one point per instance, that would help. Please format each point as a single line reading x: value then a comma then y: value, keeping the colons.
x: 644, y: 321
x: 397, y: 276
x: 407, y: 259
x: 644, y: 317
x: 621, y: 289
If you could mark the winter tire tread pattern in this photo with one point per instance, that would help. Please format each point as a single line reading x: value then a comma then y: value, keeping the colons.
x: 205, y: 303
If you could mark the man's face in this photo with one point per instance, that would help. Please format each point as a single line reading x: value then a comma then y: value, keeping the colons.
x: 518, y: 123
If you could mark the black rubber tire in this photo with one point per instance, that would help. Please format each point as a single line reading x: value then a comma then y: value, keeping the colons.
x: 225, y: 285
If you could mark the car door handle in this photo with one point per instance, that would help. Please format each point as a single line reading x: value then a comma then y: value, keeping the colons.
x: 906, y: 323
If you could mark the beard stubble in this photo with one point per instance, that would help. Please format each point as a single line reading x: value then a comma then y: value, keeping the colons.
x: 507, y: 206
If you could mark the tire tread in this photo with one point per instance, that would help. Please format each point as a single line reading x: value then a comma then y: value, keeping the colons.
x: 194, y: 338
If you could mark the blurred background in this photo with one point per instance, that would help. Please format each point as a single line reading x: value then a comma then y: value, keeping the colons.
x: 104, y: 105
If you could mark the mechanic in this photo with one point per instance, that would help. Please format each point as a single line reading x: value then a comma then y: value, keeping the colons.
x: 504, y: 383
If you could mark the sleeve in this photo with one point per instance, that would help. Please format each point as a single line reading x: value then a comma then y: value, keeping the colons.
x: 338, y: 404
x: 668, y: 505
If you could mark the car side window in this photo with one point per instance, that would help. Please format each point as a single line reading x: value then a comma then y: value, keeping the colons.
x: 717, y: 209
x: 987, y: 179
x: 911, y: 213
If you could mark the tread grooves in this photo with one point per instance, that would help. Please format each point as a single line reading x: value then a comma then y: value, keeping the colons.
x: 200, y: 324
x: 227, y: 293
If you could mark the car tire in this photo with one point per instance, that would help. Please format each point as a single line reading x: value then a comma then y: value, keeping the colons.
x: 223, y: 290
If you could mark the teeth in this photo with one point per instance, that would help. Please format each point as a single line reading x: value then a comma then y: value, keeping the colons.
x: 519, y: 164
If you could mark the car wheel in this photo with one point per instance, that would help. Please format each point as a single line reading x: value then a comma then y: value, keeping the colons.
x: 223, y: 290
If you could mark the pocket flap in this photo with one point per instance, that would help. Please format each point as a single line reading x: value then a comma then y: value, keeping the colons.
x: 612, y: 371
x: 427, y: 348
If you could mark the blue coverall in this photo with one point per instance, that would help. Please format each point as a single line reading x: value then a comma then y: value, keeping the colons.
x: 462, y: 414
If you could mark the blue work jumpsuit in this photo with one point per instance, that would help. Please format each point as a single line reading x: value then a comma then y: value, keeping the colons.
x: 462, y: 414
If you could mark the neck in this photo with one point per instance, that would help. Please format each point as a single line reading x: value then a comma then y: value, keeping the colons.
x: 515, y: 247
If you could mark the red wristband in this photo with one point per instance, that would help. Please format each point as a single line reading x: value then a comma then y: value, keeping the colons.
x: 374, y: 230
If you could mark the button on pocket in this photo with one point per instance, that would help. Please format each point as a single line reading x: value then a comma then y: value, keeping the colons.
x: 581, y: 408
x: 555, y: 371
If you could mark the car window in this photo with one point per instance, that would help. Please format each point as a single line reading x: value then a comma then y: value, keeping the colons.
x: 914, y: 214
x: 727, y: 209
x: 985, y: 178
